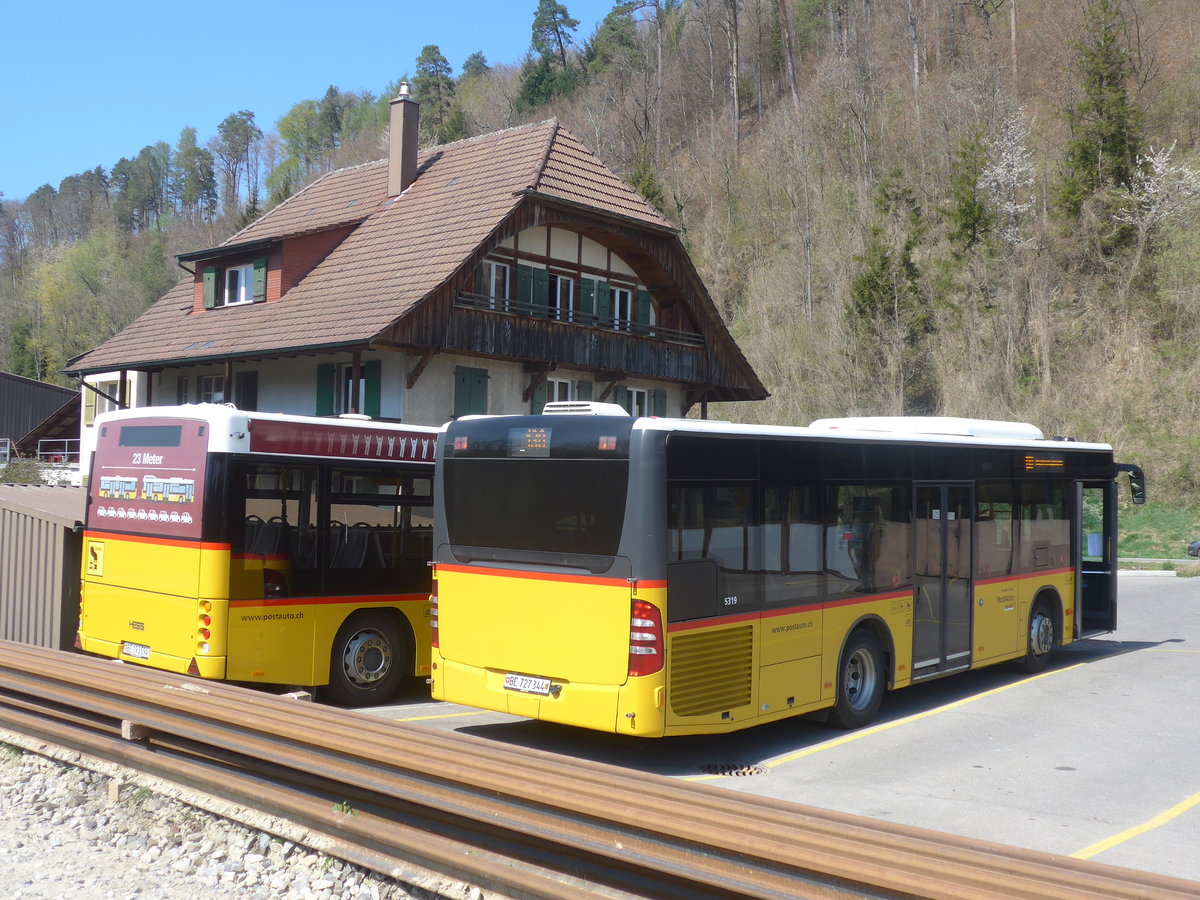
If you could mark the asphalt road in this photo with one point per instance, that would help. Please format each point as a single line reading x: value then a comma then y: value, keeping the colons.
x: 1098, y: 757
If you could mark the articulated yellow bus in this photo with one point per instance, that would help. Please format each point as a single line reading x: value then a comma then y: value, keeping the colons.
x: 659, y: 577
x: 259, y: 547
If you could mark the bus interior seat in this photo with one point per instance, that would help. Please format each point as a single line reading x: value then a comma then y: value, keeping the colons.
x: 350, y: 550
x: 268, y: 539
x: 250, y: 532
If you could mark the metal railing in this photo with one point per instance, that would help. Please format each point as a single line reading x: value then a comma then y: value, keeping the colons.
x: 548, y: 312
x: 58, y: 451
x: 522, y: 822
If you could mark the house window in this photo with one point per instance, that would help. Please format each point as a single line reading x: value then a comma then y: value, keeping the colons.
x: 335, y: 388
x: 562, y: 292
x: 211, y: 388
x: 642, y: 401
x: 235, y: 285
x: 495, y: 283
x: 622, y: 307
x: 639, y: 402
x: 245, y: 390
x: 107, y: 389
x: 346, y: 399
x: 239, y: 285
x: 559, y: 389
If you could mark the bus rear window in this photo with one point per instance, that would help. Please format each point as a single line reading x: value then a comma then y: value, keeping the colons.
x: 150, y: 435
x: 557, y: 506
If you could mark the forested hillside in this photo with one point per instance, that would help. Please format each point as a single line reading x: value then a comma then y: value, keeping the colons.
x: 963, y: 207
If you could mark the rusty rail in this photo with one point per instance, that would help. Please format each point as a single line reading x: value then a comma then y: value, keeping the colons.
x: 523, y: 823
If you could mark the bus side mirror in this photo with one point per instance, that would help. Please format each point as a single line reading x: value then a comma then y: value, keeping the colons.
x: 1137, y: 482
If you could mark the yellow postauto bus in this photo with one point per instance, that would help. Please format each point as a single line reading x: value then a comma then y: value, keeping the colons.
x: 660, y: 577
x: 259, y: 547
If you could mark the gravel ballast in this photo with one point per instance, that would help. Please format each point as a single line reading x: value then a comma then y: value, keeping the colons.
x: 68, y: 831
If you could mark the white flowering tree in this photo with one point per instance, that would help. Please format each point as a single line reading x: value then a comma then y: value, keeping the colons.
x: 1007, y: 181
x: 1162, y: 192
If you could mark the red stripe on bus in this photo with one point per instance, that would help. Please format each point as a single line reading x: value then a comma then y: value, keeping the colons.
x: 546, y: 576
x: 263, y: 602
x: 785, y: 611
x: 160, y: 541
x: 997, y: 579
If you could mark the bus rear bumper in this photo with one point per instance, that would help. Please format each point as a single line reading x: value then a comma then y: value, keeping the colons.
x: 212, y: 667
x: 604, y: 707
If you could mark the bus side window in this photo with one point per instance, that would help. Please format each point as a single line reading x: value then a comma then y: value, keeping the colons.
x: 867, y: 544
x: 993, y: 529
x: 1045, y: 525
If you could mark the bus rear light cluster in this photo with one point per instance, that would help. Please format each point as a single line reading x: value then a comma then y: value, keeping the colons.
x: 645, y: 639
x: 433, y: 613
x: 274, y: 584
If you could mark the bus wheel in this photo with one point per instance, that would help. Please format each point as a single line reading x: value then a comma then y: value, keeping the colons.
x: 368, y: 661
x: 860, y: 682
x: 1040, y: 640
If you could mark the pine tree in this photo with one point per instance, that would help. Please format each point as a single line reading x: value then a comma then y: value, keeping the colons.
x: 1106, y: 124
x: 433, y: 88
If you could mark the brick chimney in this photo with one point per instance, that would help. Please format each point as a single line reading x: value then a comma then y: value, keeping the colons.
x: 402, y: 141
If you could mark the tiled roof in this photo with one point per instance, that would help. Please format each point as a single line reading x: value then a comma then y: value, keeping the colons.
x: 404, y: 249
x: 338, y: 198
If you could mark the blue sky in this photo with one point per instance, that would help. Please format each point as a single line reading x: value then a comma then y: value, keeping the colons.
x: 84, y: 83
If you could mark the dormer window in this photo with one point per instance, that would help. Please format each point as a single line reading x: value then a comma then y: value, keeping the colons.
x: 244, y: 281
x: 239, y: 285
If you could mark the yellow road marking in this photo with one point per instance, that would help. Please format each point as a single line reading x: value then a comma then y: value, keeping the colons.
x: 1162, y: 819
x: 887, y: 726
x: 471, y: 712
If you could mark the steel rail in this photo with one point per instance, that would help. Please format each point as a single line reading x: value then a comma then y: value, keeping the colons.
x: 563, y: 827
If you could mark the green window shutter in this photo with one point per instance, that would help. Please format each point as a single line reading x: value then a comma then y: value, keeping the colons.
x: 89, y: 406
x: 643, y: 308
x: 260, y: 280
x: 621, y: 398
x: 587, y: 297
x: 210, y: 287
x: 470, y: 391
x: 539, y: 399
x: 524, y: 285
x: 480, y: 288
x: 373, y: 376
x: 660, y: 402
x: 325, y: 387
x: 541, y: 292
x: 604, y: 304
x: 583, y: 390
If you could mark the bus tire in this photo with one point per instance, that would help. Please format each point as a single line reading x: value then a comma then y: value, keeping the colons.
x: 860, y: 682
x: 1039, y: 639
x: 368, y: 660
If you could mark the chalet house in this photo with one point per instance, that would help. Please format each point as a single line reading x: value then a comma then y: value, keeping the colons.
x: 485, y: 276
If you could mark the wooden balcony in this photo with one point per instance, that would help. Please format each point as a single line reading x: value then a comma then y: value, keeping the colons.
x: 525, y: 331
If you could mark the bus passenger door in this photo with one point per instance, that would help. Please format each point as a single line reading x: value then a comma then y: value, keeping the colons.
x: 1096, y: 558
x: 943, y: 589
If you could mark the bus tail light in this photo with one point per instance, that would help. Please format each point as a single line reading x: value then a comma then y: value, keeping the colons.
x: 274, y: 584
x: 645, y: 639
x: 433, y: 613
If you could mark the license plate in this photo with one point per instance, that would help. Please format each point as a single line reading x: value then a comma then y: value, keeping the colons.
x: 137, y: 651
x: 527, y: 685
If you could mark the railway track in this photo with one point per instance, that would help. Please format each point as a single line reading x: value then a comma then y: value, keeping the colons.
x: 523, y: 823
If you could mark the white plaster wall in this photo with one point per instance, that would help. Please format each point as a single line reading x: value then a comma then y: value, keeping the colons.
x: 431, y: 402
x: 594, y: 255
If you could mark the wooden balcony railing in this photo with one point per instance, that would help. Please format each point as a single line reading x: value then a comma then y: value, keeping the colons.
x: 549, y: 313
